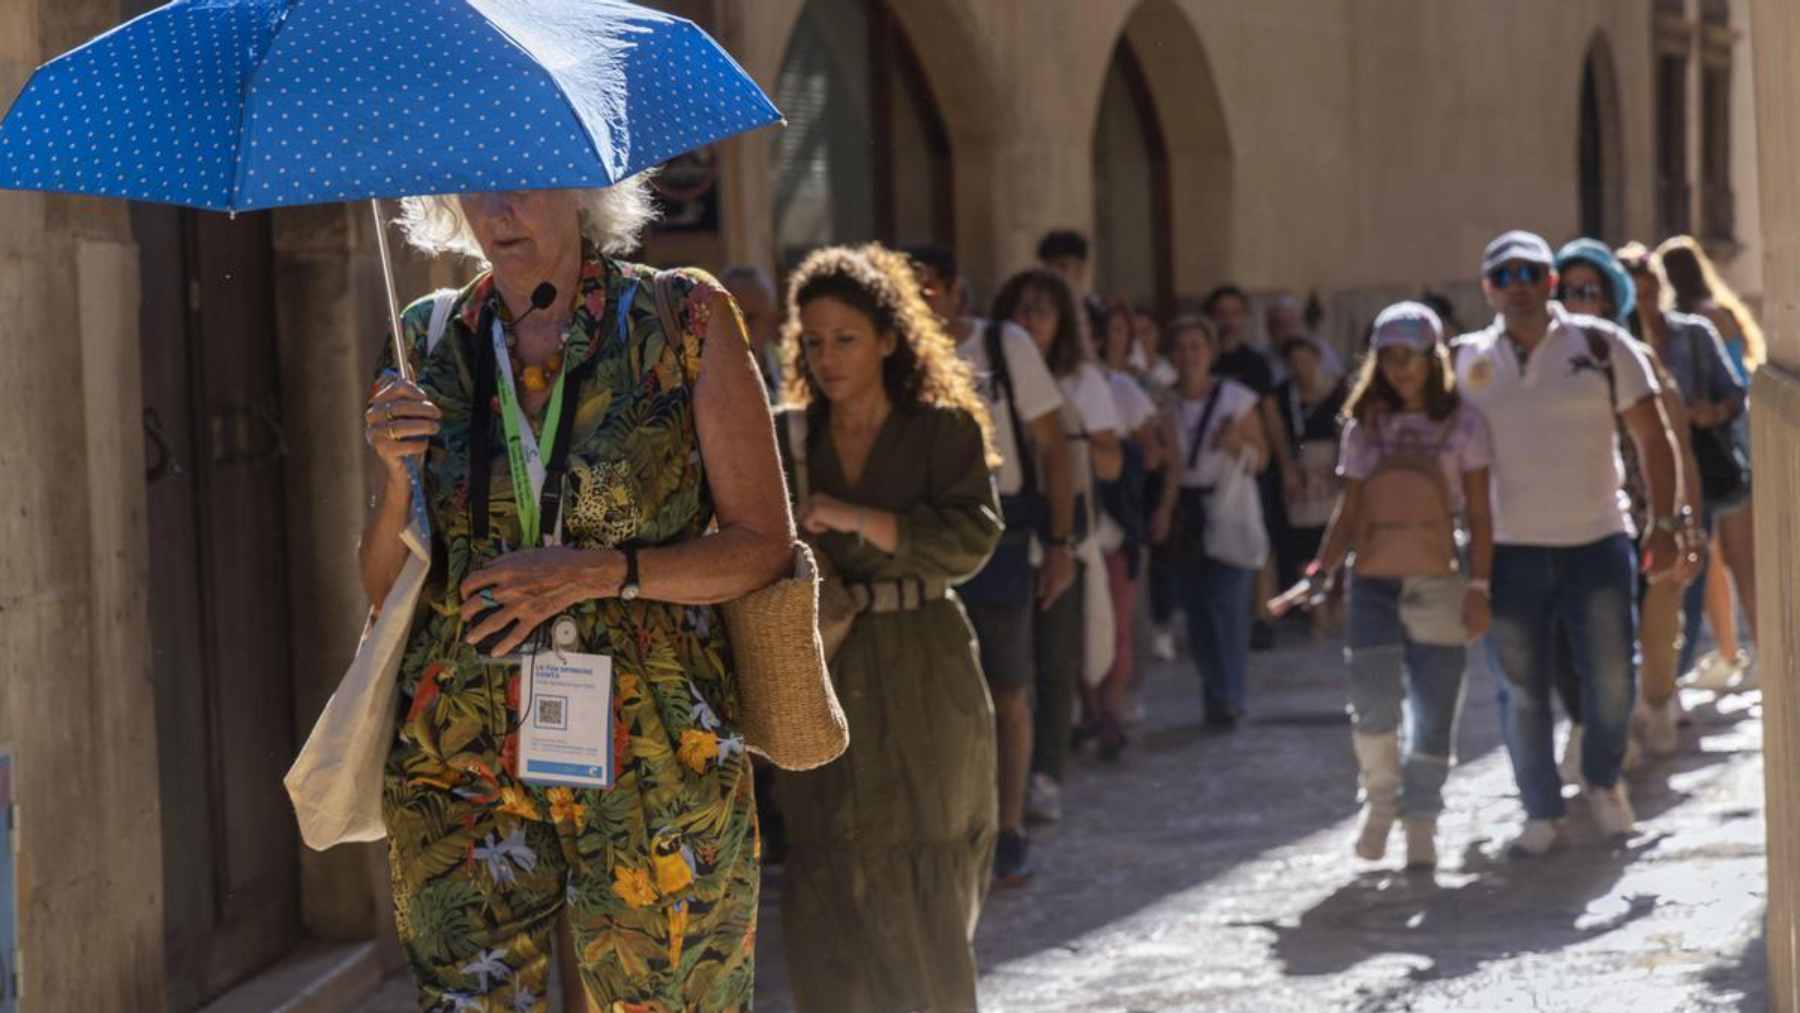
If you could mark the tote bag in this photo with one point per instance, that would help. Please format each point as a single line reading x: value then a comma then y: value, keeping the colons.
x: 1234, y: 522
x: 335, y: 782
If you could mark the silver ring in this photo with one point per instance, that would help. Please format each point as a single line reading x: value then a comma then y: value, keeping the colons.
x: 390, y: 412
x: 487, y: 595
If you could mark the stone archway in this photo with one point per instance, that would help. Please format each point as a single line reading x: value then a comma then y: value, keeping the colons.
x: 1133, y: 233
x: 1176, y: 79
x: 1600, y: 162
x: 871, y: 149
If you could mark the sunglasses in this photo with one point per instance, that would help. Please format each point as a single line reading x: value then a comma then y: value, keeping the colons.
x: 1585, y: 293
x: 1506, y: 275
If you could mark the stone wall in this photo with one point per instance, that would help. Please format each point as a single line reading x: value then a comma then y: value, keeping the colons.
x: 1354, y: 149
x: 1775, y: 423
x: 75, y: 695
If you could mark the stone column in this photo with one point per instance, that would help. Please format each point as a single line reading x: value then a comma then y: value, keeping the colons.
x: 76, y: 705
x: 1775, y: 423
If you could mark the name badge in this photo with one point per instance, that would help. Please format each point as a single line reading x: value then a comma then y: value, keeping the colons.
x: 566, y: 732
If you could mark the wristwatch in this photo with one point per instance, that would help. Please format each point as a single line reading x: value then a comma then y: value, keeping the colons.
x: 1674, y: 523
x: 629, y: 590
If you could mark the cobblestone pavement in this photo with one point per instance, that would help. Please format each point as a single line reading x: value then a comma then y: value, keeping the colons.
x: 1214, y: 873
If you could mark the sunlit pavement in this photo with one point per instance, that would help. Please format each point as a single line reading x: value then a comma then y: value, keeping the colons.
x: 1214, y: 873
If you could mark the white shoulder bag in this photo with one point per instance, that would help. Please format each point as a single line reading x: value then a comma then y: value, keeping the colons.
x: 335, y: 782
x: 1234, y: 522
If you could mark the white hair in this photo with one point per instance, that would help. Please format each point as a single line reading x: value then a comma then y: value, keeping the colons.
x: 613, y: 218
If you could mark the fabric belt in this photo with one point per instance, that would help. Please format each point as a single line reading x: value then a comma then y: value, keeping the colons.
x: 905, y: 594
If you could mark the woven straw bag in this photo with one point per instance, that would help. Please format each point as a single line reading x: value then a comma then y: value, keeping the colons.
x: 789, y: 712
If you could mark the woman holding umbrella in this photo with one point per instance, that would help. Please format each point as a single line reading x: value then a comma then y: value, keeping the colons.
x: 665, y: 430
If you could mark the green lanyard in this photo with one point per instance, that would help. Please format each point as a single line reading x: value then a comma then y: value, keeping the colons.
x: 518, y: 457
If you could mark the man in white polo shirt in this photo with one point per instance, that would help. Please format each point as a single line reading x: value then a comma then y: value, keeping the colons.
x: 1550, y: 383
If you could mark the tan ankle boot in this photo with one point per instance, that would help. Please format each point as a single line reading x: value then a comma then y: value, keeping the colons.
x: 1421, y: 842
x: 1378, y: 756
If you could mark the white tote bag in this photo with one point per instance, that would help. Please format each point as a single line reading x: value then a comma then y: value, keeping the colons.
x: 1234, y: 521
x: 1098, y: 629
x: 335, y: 782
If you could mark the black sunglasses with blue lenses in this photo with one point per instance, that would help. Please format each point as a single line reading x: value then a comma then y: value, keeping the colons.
x: 1506, y: 274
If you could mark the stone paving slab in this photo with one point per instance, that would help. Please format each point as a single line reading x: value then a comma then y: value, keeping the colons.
x: 1211, y: 872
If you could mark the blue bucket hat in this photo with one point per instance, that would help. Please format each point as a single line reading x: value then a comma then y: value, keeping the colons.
x: 1599, y: 256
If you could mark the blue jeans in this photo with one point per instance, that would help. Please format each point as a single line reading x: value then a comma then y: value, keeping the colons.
x: 1386, y: 668
x: 1589, y: 589
x: 1217, y: 599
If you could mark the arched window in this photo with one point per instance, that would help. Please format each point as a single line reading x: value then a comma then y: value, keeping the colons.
x: 865, y: 154
x: 1133, y: 256
x: 1600, y: 165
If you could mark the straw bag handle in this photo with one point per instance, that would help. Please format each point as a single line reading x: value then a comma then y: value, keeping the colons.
x: 796, y: 433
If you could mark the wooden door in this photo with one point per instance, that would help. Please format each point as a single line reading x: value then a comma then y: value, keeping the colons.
x: 219, y: 615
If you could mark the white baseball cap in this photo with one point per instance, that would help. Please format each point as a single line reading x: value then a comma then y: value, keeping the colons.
x: 1411, y: 324
x: 1517, y: 245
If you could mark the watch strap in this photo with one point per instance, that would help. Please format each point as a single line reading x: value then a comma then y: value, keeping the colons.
x: 629, y: 587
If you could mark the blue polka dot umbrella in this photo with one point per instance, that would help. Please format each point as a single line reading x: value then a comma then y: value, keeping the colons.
x: 236, y: 105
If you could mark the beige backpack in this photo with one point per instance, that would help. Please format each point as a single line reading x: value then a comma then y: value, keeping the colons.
x: 1405, y: 525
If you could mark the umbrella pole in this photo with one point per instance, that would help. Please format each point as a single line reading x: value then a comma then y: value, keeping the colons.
x: 387, y: 275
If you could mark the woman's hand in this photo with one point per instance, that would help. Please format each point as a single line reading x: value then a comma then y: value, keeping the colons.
x: 1293, y: 481
x: 1294, y: 597
x: 821, y: 513
x: 1056, y: 575
x: 1692, y: 546
x: 1162, y: 521
x: 399, y: 423
x: 1227, y: 437
x: 533, y: 586
x: 1478, y: 612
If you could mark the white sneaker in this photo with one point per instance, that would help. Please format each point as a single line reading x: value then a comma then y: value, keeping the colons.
x: 1746, y: 680
x: 1717, y: 673
x: 1043, y: 799
x: 1535, y: 839
x: 1661, y: 736
x: 1612, y: 810
x: 1162, y: 644
x: 1570, y: 767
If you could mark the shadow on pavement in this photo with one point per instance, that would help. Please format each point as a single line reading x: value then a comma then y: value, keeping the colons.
x: 1495, y: 907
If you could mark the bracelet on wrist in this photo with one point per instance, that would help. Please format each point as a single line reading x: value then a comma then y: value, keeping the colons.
x: 1483, y: 586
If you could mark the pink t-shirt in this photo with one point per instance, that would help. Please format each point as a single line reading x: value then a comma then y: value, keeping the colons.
x: 1468, y: 446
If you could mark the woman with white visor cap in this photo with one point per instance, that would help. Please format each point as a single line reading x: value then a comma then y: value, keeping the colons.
x: 1415, y: 467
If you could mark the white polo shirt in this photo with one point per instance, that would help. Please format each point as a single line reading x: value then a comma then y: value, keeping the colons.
x: 1556, y: 471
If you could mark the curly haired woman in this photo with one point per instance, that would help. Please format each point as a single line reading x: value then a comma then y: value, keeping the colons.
x: 890, y: 848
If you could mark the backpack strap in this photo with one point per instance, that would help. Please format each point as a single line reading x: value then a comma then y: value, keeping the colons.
x: 1003, y: 386
x: 1601, y: 349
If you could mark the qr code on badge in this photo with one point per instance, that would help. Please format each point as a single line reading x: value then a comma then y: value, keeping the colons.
x: 551, y: 712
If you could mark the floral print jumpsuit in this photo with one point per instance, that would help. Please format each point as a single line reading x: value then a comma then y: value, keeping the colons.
x: 659, y: 874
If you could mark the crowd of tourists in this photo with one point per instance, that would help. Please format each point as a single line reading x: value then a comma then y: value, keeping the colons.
x: 990, y: 490
x: 1405, y: 500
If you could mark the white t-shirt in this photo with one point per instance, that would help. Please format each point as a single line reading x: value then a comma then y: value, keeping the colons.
x: 1557, y: 470
x: 1234, y: 400
x: 1135, y: 406
x: 1035, y: 392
